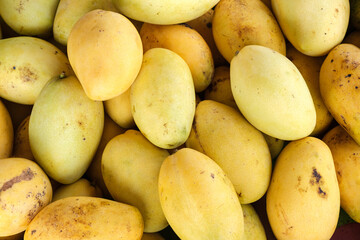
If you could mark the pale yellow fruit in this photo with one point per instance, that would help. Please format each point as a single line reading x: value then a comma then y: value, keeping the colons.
x: 198, y: 199
x: 339, y: 87
x: 275, y: 145
x: 187, y: 43
x: 309, y: 68
x: 346, y: 154
x: 65, y: 129
x: 87, y: 218
x: 6, y: 132
x: 219, y: 89
x: 271, y: 93
x: 32, y: 17
x: 130, y: 166
x: 105, y: 51
x: 25, y: 190
x: 242, y: 153
x: 81, y: 187
x: 69, y: 12
x: 111, y: 129
x: 27, y: 64
x: 21, y: 143
x: 303, y: 200
x: 238, y: 23
x: 164, y: 12
x: 163, y: 98
x: 119, y: 109
x: 313, y: 28
x: 253, y: 228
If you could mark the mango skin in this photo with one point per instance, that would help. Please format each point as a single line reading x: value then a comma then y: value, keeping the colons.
x: 271, y: 93
x: 185, y: 178
x: 339, y: 87
x: 25, y: 189
x: 314, y: 28
x: 6, y: 132
x: 346, y: 153
x: 29, y: 17
x: 130, y: 167
x: 86, y: 217
x: 163, y: 98
x: 164, y: 12
x: 186, y: 42
x: 238, y: 23
x: 253, y: 228
x: 27, y: 64
x: 104, y: 76
x: 65, y: 129
x: 303, y: 200
x: 242, y: 153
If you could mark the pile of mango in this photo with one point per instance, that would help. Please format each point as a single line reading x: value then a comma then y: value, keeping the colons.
x: 166, y: 119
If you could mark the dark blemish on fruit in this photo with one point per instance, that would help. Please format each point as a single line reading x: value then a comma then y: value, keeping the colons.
x: 33, y: 231
x: 186, y: 25
x: 202, y: 172
x: 331, y: 60
x: 84, y: 139
x: 321, y: 193
x: 349, y: 75
x: 56, y: 52
x: 343, y: 118
x: 356, y: 87
x: 316, y: 175
x: 212, y: 175
x: 26, y: 175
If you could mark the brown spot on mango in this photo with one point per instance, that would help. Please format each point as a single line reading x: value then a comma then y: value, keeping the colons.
x: 26, y: 175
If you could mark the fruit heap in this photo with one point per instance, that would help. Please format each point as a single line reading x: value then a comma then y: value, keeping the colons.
x: 165, y: 119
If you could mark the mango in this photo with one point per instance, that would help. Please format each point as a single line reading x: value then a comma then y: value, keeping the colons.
x: 6, y: 132
x: 21, y: 141
x: 253, y: 228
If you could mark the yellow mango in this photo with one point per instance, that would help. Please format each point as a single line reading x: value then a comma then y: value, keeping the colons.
x: 253, y: 228
x: 6, y: 132
x: 271, y: 93
x: 339, y: 88
x: 309, y: 68
x: 303, y: 200
x: 187, y: 43
x: 119, y: 109
x: 163, y: 98
x: 65, y: 129
x: 111, y: 129
x: 219, y: 89
x: 21, y: 143
x: 81, y: 187
x: 238, y: 23
x: 130, y: 166
x: 69, y: 12
x: 198, y: 199
x: 29, y: 17
x: 27, y: 64
x: 105, y: 51
x: 242, y: 153
x: 86, y: 218
x: 313, y: 28
x: 164, y: 12
x: 346, y: 154
x: 25, y: 190
x: 275, y: 145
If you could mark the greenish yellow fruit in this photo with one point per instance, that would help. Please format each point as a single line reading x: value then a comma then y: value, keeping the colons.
x: 339, y: 87
x: 25, y: 190
x: 119, y: 109
x: 253, y: 228
x: 198, y: 199
x: 86, y: 218
x: 238, y: 23
x: 21, y: 142
x: 309, y: 68
x: 163, y: 98
x: 275, y: 145
x: 242, y: 153
x: 346, y: 154
x: 271, y: 93
x: 303, y: 200
x: 69, y: 12
x: 81, y: 187
x: 130, y: 166
x: 29, y: 17
x: 65, y: 129
x: 27, y: 64
x: 6, y: 132
x: 315, y: 27
x: 164, y: 12
x: 188, y: 44
x: 105, y: 51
